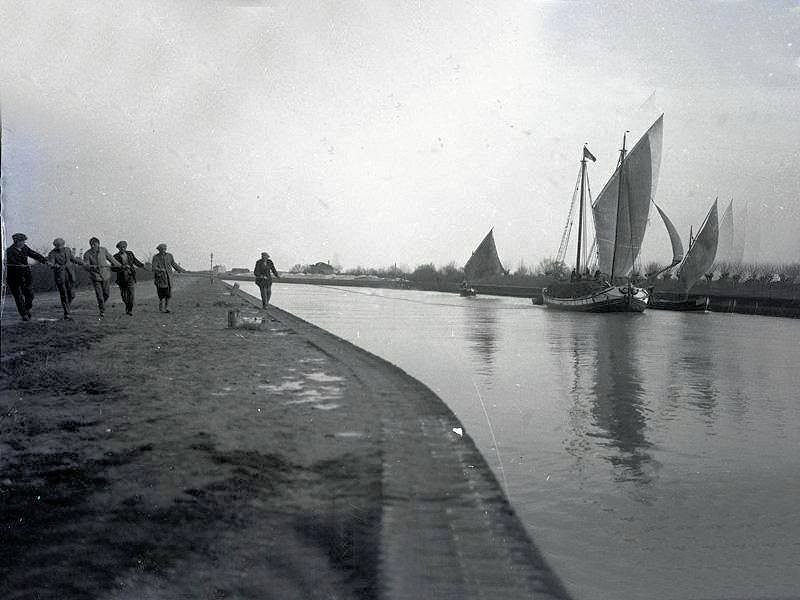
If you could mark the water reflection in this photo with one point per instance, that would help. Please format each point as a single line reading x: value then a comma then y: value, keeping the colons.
x: 697, y: 367
x: 480, y: 330
x: 618, y: 400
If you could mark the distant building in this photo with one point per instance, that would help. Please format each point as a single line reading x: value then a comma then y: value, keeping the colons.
x: 239, y: 271
x: 220, y: 269
x: 320, y: 268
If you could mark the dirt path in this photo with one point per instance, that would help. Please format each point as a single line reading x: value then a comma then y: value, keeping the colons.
x: 165, y: 456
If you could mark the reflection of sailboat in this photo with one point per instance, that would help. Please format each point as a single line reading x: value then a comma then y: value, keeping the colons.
x: 481, y: 331
x: 698, y: 259
x: 620, y: 219
x: 483, y: 264
x: 617, y: 408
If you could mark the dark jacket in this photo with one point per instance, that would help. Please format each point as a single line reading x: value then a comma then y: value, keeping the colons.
x: 62, y: 262
x: 126, y: 274
x: 18, y: 257
x: 264, y: 269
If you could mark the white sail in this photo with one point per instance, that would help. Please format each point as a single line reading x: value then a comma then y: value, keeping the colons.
x: 726, y: 251
x: 702, y: 251
x: 740, y: 236
x: 620, y: 216
x: 674, y: 238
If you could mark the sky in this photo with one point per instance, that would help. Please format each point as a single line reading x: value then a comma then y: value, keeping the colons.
x: 374, y: 133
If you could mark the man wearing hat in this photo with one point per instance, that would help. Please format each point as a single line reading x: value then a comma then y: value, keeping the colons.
x: 126, y: 274
x: 163, y: 263
x: 18, y: 274
x: 61, y: 260
x: 263, y: 271
x: 99, y: 262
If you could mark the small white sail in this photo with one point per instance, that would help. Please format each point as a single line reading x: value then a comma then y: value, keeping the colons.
x: 620, y: 217
x: 674, y: 238
x: 702, y: 251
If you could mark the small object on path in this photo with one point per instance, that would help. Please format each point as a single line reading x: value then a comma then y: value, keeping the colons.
x: 236, y: 321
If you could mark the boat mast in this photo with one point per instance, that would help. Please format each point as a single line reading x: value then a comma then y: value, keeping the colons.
x: 619, y: 201
x: 580, y: 212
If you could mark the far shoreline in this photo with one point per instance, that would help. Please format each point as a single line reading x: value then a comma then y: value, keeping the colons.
x: 780, y: 301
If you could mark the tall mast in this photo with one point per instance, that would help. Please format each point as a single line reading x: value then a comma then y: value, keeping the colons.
x: 580, y: 212
x: 619, y: 201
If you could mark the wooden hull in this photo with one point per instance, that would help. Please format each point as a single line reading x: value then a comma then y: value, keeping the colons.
x: 688, y: 305
x: 610, y: 299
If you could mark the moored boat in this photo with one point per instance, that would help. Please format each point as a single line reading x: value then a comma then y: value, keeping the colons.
x: 620, y: 217
x: 658, y: 302
x: 698, y: 259
x: 599, y: 298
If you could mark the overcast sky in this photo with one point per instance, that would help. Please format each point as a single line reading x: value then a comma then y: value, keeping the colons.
x: 372, y: 133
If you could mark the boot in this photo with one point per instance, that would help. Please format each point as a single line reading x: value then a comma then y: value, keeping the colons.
x: 166, y: 305
x: 160, y: 305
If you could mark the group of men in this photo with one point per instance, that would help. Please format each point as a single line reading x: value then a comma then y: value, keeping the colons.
x: 98, y: 261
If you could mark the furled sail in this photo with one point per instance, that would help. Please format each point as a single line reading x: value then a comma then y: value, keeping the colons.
x: 674, y: 238
x: 620, y: 217
x: 702, y: 251
x: 484, y: 262
x: 726, y: 251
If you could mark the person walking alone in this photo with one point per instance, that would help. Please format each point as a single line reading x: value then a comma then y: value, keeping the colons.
x: 126, y: 274
x: 99, y: 261
x: 18, y: 274
x: 263, y: 271
x: 163, y: 263
x: 61, y: 260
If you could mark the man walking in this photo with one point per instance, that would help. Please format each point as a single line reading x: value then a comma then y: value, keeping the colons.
x: 163, y: 263
x: 61, y: 261
x: 126, y: 274
x: 18, y: 274
x: 99, y: 261
x: 263, y: 271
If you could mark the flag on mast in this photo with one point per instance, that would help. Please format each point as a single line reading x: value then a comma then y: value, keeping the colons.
x: 589, y: 155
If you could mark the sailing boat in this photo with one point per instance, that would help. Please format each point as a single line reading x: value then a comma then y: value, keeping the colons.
x: 620, y: 219
x: 699, y: 258
x: 483, y: 263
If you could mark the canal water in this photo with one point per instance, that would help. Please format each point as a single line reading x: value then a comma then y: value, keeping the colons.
x: 649, y: 455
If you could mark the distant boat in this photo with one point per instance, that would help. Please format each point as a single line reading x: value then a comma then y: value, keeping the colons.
x: 483, y: 264
x: 732, y: 239
x: 620, y: 218
x: 699, y: 258
x: 702, y: 251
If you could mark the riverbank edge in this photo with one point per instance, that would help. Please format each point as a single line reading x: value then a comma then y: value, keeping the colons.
x: 433, y: 543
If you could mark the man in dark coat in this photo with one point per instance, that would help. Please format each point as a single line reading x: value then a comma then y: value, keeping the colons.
x: 61, y: 260
x: 18, y: 274
x: 263, y: 271
x: 126, y: 274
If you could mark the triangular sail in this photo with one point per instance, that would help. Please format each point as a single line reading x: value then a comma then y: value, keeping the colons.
x: 484, y: 262
x: 620, y: 217
x: 740, y: 237
x: 702, y: 252
x: 674, y: 238
x: 726, y: 252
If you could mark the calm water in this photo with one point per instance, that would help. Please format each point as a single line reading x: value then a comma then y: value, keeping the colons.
x: 649, y: 456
